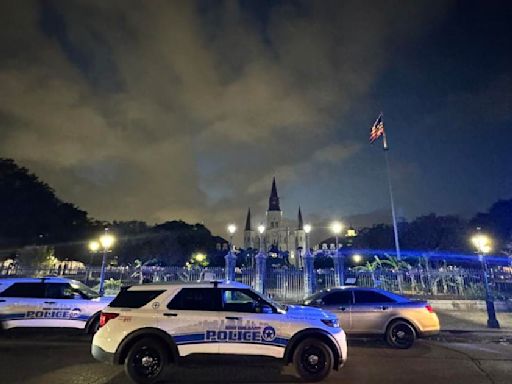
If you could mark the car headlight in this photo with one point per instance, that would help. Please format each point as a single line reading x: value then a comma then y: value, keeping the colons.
x: 333, y: 323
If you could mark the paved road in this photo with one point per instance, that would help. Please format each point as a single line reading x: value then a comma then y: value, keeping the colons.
x: 64, y: 358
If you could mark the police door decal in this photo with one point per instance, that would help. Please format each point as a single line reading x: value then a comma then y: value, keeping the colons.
x: 250, y: 333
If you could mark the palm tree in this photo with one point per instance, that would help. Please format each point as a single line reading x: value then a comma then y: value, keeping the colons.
x: 371, y: 267
x: 396, y: 266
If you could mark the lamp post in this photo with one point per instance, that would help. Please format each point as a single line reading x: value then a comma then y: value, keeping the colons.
x: 261, y: 230
x: 339, y: 265
x: 231, y: 231
x: 94, y: 247
x: 261, y: 263
x: 483, y: 246
x: 309, y: 268
x: 307, y: 230
x: 230, y: 258
x: 105, y: 243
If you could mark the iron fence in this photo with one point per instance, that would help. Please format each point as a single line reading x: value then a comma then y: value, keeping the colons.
x: 287, y: 284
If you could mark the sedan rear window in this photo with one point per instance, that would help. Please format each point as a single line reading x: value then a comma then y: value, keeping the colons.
x: 338, y: 298
x: 369, y: 297
x: 134, y: 299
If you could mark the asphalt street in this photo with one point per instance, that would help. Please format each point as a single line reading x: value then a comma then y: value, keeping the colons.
x: 62, y: 357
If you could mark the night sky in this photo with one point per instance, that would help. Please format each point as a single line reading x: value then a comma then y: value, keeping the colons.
x: 161, y: 110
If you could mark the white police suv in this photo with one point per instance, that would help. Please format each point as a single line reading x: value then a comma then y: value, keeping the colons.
x: 149, y: 326
x: 49, y: 302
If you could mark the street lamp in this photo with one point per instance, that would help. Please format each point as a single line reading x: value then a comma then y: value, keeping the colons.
x: 230, y: 258
x: 339, y: 263
x: 94, y: 246
x: 231, y: 231
x: 336, y: 228
x: 261, y: 230
x: 357, y: 258
x: 105, y: 242
x: 483, y: 245
x: 307, y: 230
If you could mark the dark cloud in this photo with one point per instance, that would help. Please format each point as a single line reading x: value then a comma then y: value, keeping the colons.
x: 159, y: 110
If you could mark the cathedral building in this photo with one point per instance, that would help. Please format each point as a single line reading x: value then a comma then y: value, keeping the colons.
x: 279, y: 240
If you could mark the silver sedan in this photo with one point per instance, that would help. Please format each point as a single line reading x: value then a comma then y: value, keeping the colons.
x: 370, y: 311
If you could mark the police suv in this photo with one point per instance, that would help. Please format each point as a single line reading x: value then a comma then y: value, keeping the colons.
x: 149, y: 326
x: 49, y: 302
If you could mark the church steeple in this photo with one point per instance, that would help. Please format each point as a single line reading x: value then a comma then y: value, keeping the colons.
x: 273, y: 201
x: 248, y: 226
x: 301, y: 223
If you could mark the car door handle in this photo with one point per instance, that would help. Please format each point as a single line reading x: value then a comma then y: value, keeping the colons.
x: 170, y: 314
x: 343, y: 308
x: 49, y: 302
x: 384, y: 307
x: 233, y: 318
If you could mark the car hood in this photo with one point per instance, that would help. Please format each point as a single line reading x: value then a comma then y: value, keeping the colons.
x: 303, y: 312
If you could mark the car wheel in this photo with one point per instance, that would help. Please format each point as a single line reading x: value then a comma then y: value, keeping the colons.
x: 313, y: 360
x: 94, y: 325
x: 146, y: 361
x: 400, y: 334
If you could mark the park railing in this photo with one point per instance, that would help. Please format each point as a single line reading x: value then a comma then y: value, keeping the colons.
x: 287, y: 284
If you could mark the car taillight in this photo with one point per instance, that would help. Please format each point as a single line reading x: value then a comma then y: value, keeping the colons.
x: 429, y: 308
x: 105, y: 317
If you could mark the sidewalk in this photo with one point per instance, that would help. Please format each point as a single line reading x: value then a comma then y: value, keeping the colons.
x: 472, y: 320
x: 471, y: 326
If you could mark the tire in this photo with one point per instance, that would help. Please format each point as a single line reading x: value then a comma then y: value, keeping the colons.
x: 94, y: 325
x: 313, y: 360
x: 400, y: 334
x: 146, y: 361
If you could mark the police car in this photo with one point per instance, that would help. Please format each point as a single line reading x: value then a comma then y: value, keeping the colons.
x: 49, y: 302
x: 149, y: 326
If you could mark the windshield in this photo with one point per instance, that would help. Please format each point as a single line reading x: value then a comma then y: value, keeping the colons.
x: 279, y: 306
x: 84, y: 290
x: 308, y: 300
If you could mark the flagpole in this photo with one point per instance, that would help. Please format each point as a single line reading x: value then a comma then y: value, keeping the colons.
x: 393, y: 214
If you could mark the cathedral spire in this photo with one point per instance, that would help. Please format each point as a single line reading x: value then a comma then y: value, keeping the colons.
x: 248, y: 226
x: 273, y: 201
x: 301, y: 223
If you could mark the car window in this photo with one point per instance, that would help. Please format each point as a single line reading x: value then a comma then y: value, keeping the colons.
x: 244, y: 300
x: 237, y: 301
x: 134, y: 299
x: 196, y: 299
x: 84, y: 290
x: 60, y: 291
x: 368, y: 297
x: 338, y: 298
x: 28, y: 290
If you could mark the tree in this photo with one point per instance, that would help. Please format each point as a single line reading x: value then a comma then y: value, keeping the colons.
x: 32, y: 215
x: 379, y: 237
x: 371, y: 267
x: 497, y: 221
x: 172, y: 242
x: 435, y: 233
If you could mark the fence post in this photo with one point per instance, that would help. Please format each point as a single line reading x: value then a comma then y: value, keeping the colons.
x: 261, y: 270
x: 339, y: 269
x: 309, y: 273
x: 230, y: 262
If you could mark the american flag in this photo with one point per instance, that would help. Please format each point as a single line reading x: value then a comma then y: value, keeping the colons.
x: 377, y: 129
